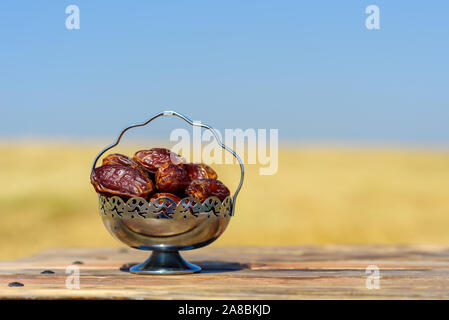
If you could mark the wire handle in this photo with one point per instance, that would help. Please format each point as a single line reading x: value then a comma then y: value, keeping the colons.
x: 195, y: 124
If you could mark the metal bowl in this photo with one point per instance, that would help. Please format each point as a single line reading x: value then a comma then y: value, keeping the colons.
x: 163, y: 226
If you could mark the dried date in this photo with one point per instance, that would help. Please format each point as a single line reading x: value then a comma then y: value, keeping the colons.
x: 172, y: 179
x: 154, y: 158
x: 201, y: 189
x: 120, y: 180
x: 200, y: 171
x: 121, y: 159
x: 118, y: 158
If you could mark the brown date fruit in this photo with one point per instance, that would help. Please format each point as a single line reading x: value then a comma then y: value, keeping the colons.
x: 201, y: 189
x: 120, y: 180
x: 154, y: 158
x: 118, y: 158
x: 172, y: 179
x: 200, y: 171
x: 171, y: 196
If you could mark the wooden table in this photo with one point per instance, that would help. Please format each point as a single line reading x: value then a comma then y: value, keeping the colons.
x: 302, y: 272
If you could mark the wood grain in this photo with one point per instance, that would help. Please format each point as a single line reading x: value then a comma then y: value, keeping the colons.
x: 305, y: 272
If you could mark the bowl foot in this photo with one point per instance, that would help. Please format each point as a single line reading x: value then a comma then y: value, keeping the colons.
x: 164, y: 263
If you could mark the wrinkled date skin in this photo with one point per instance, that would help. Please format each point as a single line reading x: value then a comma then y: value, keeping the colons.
x: 172, y: 179
x: 120, y: 180
x: 118, y: 158
x: 154, y: 158
x: 200, y: 171
x: 204, y: 188
x: 171, y: 196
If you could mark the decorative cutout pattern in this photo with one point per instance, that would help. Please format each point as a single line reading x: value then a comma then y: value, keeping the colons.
x: 164, y: 208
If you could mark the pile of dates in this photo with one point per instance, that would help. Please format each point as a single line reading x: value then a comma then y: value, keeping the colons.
x: 156, y: 173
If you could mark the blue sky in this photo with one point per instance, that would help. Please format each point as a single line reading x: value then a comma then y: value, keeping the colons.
x: 309, y: 68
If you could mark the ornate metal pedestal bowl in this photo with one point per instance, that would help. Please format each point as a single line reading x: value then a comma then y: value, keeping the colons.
x: 164, y: 226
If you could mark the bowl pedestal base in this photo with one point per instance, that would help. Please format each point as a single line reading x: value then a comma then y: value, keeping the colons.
x: 165, y: 263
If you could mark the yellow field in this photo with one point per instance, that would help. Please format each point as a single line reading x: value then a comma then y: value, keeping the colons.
x: 319, y: 195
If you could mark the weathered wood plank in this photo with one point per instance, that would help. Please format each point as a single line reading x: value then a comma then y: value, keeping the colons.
x: 305, y: 272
